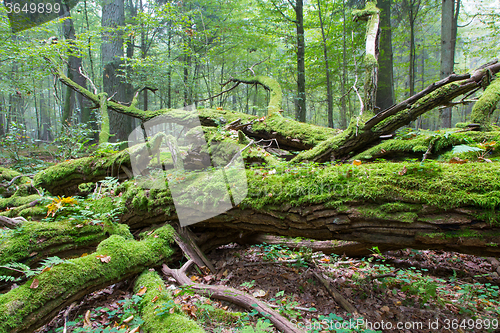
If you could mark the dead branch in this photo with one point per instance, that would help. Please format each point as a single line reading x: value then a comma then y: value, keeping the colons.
x: 336, y: 294
x: 232, y: 295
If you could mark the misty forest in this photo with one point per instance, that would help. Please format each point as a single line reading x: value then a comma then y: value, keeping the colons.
x: 249, y: 166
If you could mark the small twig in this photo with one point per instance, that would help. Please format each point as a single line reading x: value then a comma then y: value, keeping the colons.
x: 431, y: 145
x: 336, y: 295
x: 256, y: 64
x: 112, y: 95
x: 83, y: 73
x: 14, y: 179
x: 222, y: 92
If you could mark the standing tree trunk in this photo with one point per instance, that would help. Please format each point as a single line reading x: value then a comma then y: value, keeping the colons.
x: 385, y: 89
x: 343, y: 81
x: 74, y: 64
x: 329, y: 94
x: 449, y: 17
x: 301, y: 68
x: 113, y: 17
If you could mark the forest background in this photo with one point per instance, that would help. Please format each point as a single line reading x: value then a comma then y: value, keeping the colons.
x: 186, y: 51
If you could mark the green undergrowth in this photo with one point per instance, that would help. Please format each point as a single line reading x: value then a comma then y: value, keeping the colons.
x: 156, y: 305
x: 115, y: 258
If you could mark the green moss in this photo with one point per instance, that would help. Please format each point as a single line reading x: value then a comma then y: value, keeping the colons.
x: 8, y: 174
x: 487, y: 103
x: 171, y: 323
x: 393, y: 207
x: 375, y: 212
x: 35, y: 240
x: 328, y: 145
x: 16, y: 201
x: 127, y: 257
x: 81, y: 170
x: 443, y: 185
x: 86, y: 188
x: 104, y: 133
x: 440, y: 141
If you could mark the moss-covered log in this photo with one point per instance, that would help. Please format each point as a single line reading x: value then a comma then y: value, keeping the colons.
x: 483, y: 109
x: 35, y: 241
x: 419, y: 144
x: 429, y: 206
x: 364, y: 132
x: 31, y: 305
x: 154, y: 299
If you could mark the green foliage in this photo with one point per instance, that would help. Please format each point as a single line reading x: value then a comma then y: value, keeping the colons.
x: 27, y: 272
x: 71, y: 141
x: 465, y: 149
x: 17, y: 141
x: 262, y: 326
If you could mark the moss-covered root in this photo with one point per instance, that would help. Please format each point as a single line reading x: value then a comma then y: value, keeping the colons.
x: 35, y: 241
x: 487, y: 103
x: 31, y: 305
x: 171, y: 323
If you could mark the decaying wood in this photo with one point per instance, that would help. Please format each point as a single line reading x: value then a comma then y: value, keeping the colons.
x: 11, y: 223
x: 232, y: 295
x: 185, y: 239
x: 337, y: 296
x: 350, y: 249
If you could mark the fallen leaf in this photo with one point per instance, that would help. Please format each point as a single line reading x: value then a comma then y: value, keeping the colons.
x: 259, y: 293
x: 32, y: 254
x: 136, y: 330
x: 457, y: 160
x: 403, y: 171
x: 356, y: 162
x: 142, y: 291
x: 154, y: 299
x: 34, y: 284
x: 129, y: 319
x: 104, y: 258
x: 46, y: 269
x: 86, y: 320
x: 385, y: 308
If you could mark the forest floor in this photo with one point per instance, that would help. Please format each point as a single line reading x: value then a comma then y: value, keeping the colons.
x: 422, y: 291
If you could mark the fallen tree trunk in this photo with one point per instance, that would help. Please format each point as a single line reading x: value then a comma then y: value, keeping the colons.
x: 38, y: 300
x: 431, y: 206
x: 153, y: 300
x: 350, y: 249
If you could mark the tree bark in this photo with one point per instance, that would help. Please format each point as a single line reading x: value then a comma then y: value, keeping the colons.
x: 113, y: 17
x: 449, y: 17
x: 301, y: 110
x: 385, y: 88
x: 329, y: 95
